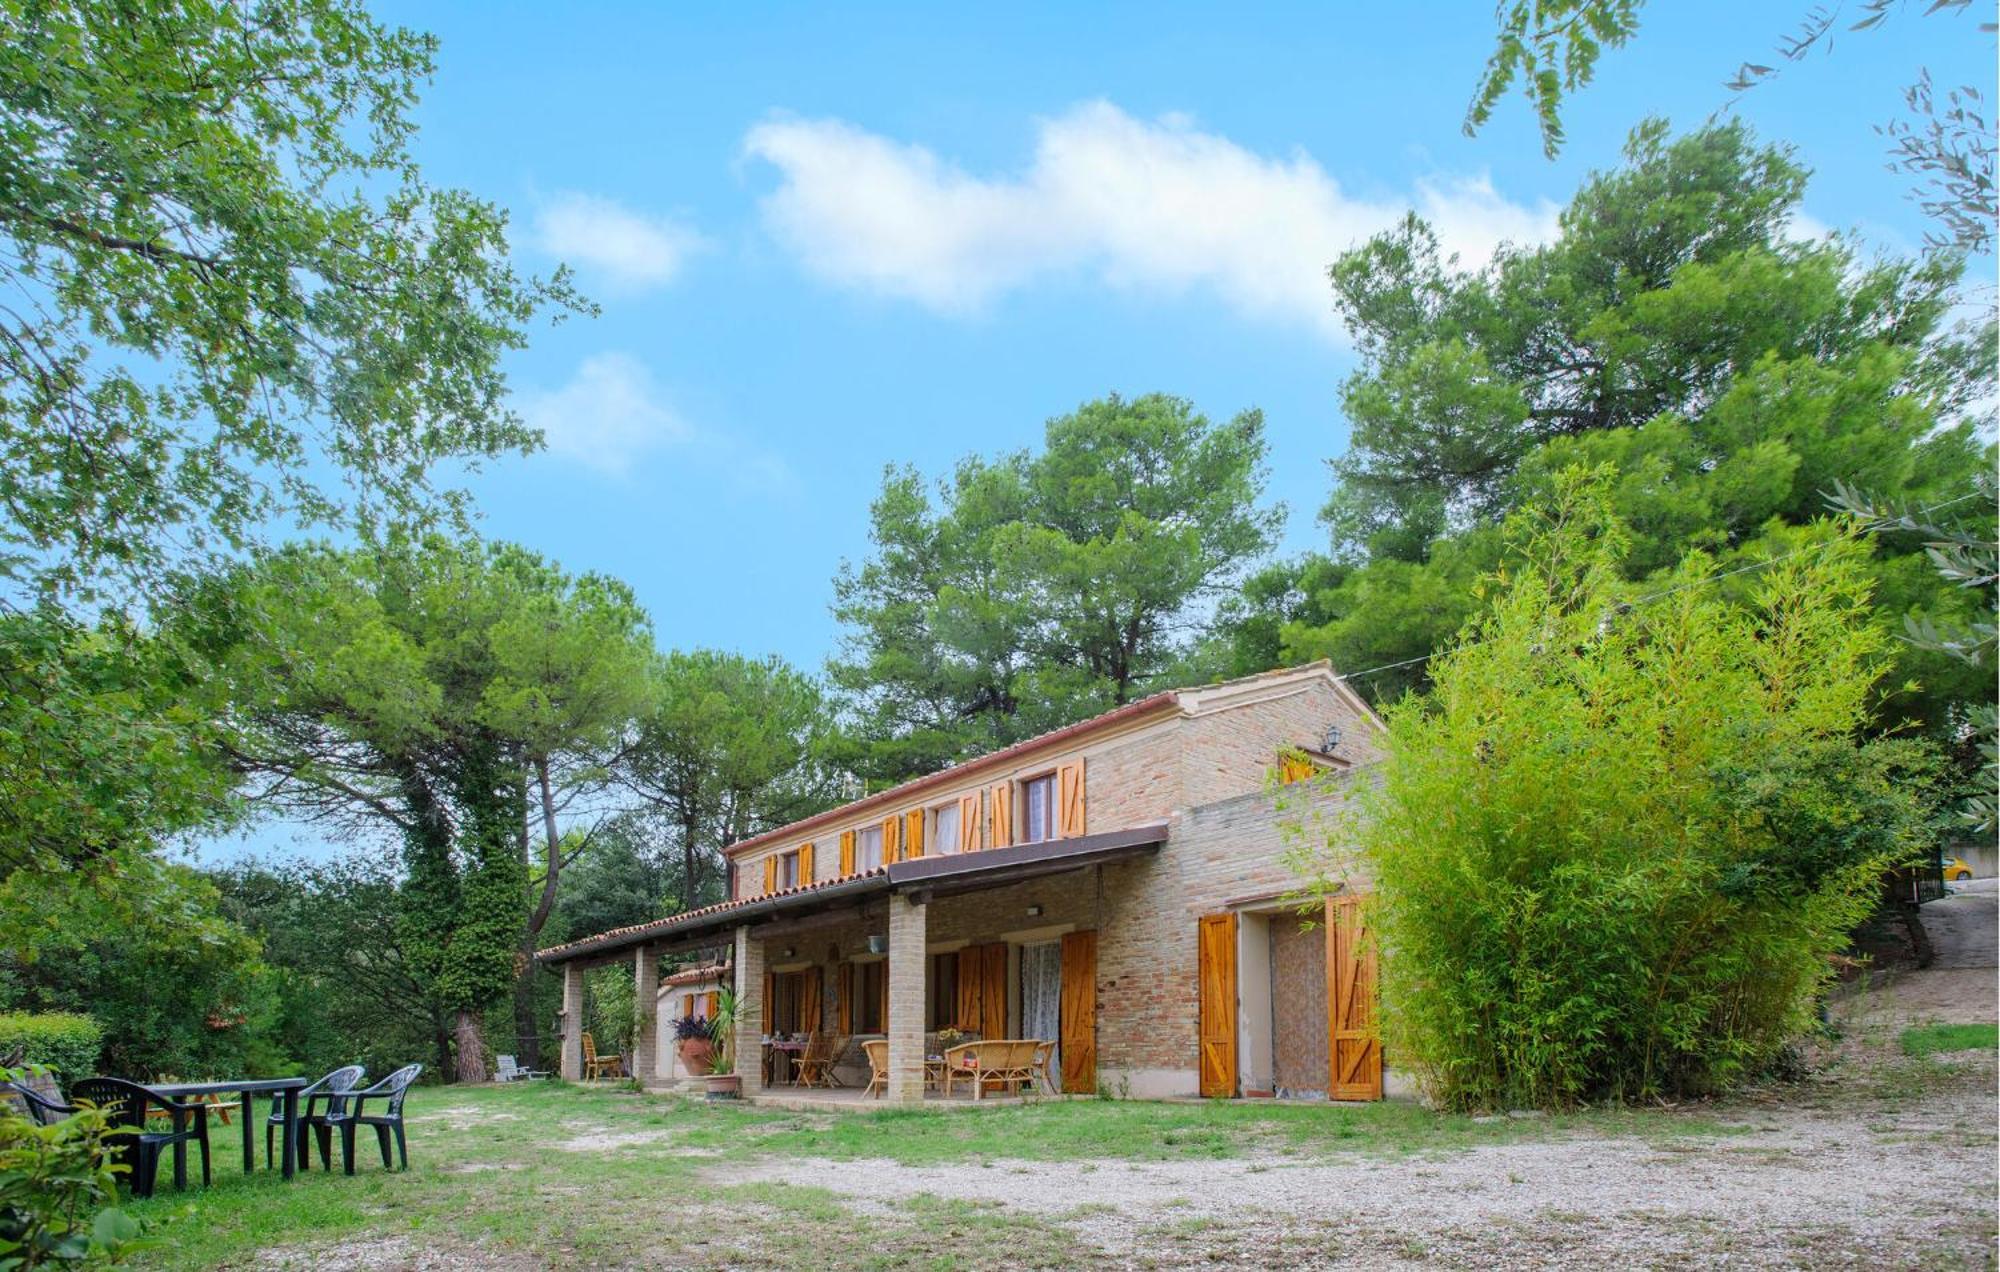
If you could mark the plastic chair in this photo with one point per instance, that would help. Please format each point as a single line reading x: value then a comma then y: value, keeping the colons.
x: 332, y: 1088
x: 124, y: 1104
x: 394, y: 1088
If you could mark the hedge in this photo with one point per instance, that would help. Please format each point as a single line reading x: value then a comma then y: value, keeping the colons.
x: 64, y: 1041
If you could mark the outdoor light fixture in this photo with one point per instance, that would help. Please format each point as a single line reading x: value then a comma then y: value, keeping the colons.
x: 1332, y: 739
x: 791, y: 952
x: 1034, y: 912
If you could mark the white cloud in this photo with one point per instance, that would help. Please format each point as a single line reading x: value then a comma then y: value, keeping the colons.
x: 1157, y: 206
x: 613, y: 413
x: 625, y: 249
x: 609, y: 414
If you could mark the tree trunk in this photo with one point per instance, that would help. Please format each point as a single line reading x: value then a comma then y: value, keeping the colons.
x: 528, y: 1038
x: 471, y: 1047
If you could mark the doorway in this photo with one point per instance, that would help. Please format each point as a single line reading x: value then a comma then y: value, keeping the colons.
x: 1041, y: 994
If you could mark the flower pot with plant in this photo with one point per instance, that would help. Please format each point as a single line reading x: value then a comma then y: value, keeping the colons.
x: 724, y: 1083
x: 694, y: 1041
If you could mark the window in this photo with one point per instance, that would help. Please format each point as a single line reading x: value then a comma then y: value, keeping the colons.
x: 945, y: 834
x: 868, y: 848
x: 1038, y: 795
x: 1295, y: 766
x: 788, y: 870
x: 871, y: 995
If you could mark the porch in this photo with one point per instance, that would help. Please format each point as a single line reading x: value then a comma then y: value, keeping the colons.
x: 993, y: 946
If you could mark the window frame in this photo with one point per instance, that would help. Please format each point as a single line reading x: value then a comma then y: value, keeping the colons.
x: 861, y: 863
x: 940, y: 843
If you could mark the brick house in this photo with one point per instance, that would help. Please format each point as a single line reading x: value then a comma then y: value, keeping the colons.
x: 1116, y: 886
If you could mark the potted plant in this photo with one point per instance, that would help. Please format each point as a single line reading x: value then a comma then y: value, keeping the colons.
x: 724, y: 1083
x: 694, y: 1040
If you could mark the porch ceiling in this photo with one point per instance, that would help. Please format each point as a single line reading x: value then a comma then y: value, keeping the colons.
x: 940, y: 875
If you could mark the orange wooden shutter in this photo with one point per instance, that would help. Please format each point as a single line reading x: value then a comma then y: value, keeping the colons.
x: 771, y: 874
x: 1216, y: 968
x: 714, y: 1000
x: 892, y: 839
x: 769, y: 1015
x: 846, y: 852
x: 812, y: 990
x: 913, y: 833
x: 1078, y: 1042
x: 1353, y: 1052
x: 968, y: 822
x: 1294, y: 768
x: 1069, y: 800
x: 805, y: 864
x: 1000, y: 815
x: 966, y: 965
x: 993, y: 990
x: 843, y: 991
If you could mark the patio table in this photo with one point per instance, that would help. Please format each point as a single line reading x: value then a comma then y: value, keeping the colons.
x: 780, y: 1052
x: 283, y: 1089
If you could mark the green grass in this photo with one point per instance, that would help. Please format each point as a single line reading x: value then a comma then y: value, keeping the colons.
x: 559, y: 1176
x: 1925, y: 1040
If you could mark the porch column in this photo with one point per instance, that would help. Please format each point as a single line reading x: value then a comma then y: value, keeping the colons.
x: 907, y: 969
x: 572, y: 1022
x: 747, y: 1049
x: 645, y: 1004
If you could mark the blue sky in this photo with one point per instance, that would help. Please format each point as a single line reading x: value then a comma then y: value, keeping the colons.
x: 828, y: 239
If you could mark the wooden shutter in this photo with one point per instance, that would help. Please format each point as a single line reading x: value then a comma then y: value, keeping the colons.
x: 1216, y: 977
x: 1293, y: 767
x: 770, y: 874
x: 843, y: 997
x: 1078, y: 1029
x: 913, y: 833
x: 1353, y: 1052
x: 769, y: 1015
x: 968, y: 822
x: 892, y: 838
x: 965, y: 965
x: 846, y: 852
x: 805, y: 864
x: 812, y: 993
x: 1000, y: 815
x: 713, y: 1001
x: 993, y: 990
x: 1069, y: 800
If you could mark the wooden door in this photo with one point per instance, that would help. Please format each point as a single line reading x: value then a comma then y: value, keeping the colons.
x: 1078, y: 1043
x: 992, y: 988
x: 1217, y: 1010
x: 1353, y: 1051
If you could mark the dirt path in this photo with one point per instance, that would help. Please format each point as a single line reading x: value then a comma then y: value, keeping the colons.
x: 1796, y: 1188
x: 1889, y: 1165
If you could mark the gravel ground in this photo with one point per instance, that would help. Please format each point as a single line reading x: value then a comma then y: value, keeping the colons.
x: 1797, y: 1188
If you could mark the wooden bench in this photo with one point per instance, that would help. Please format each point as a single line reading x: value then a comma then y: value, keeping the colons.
x: 1006, y: 1062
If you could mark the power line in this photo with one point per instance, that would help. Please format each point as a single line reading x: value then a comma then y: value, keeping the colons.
x: 1665, y: 592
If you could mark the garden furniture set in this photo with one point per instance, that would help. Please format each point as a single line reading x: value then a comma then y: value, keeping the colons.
x: 337, y: 1102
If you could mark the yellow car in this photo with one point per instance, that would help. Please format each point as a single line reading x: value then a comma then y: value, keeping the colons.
x: 1955, y: 870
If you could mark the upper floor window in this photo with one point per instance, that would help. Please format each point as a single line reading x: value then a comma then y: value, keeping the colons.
x: 1038, y: 800
x: 788, y: 870
x: 868, y: 848
x: 944, y: 834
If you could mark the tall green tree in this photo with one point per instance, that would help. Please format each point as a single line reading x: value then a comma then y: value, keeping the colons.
x: 1027, y: 591
x: 1731, y: 375
x: 234, y: 296
x: 728, y: 746
x: 442, y: 690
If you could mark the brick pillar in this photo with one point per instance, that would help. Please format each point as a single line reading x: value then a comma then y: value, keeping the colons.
x: 748, y: 1050
x: 645, y: 1002
x: 907, y: 968
x: 572, y: 1022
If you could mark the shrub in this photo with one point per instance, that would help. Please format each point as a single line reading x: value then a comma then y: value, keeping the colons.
x: 57, y: 1186
x: 1615, y: 848
x: 64, y: 1041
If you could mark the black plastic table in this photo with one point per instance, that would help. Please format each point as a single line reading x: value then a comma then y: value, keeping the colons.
x: 284, y: 1089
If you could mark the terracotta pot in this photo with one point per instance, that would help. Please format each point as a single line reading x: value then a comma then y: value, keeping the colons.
x: 724, y: 1086
x: 697, y: 1055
